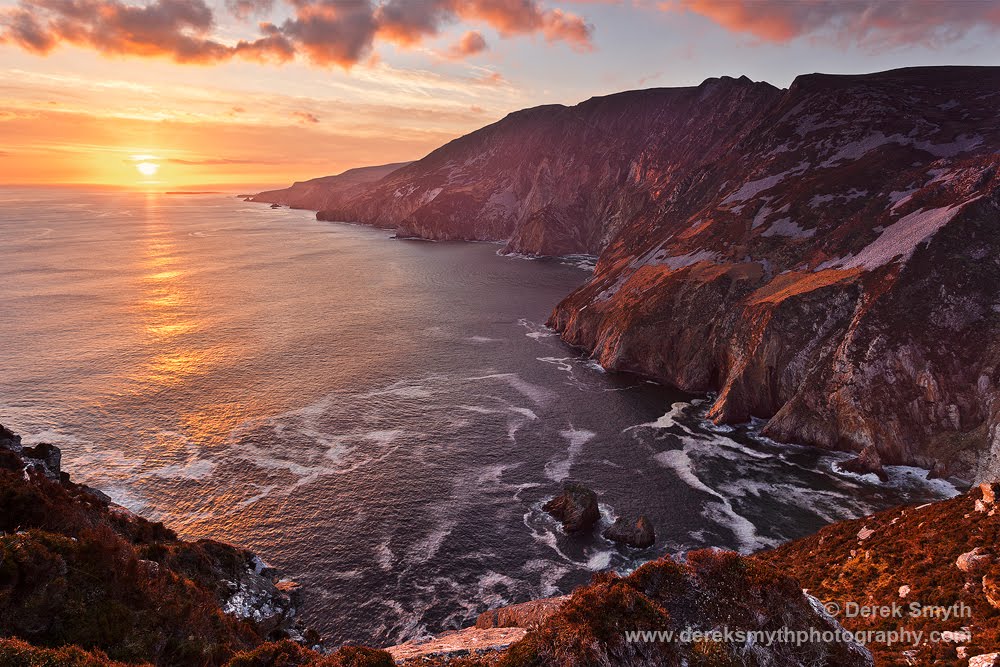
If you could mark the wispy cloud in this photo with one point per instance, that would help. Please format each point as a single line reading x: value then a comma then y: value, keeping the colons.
x: 306, y: 117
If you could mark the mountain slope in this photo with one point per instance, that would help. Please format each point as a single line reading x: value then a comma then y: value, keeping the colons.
x: 327, y: 191
x: 560, y: 180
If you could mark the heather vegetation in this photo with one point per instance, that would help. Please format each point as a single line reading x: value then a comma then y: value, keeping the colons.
x: 916, y: 560
x: 84, y: 582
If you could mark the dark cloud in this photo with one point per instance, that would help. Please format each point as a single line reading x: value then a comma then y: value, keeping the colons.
x: 332, y: 32
x: 178, y: 29
x: 326, y: 32
x: 872, y: 23
x: 409, y: 21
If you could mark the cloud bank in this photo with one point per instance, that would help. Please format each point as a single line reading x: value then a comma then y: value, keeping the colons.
x: 325, y: 32
x: 875, y: 24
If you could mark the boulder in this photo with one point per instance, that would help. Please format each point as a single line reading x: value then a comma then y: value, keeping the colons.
x: 989, y: 493
x: 975, y: 561
x: 49, y: 455
x: 868, y: 462
x: 575, y: 507
x: 9, y: 440
x: 633, y: 532
x: 985, y: 660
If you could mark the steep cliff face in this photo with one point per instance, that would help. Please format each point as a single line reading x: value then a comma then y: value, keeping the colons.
x: 841, y: 279
x: 560, y: 180
x: 824, y: 257
x: 328, y: 191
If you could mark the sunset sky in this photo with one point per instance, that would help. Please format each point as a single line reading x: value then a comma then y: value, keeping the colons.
x: 263, y: 92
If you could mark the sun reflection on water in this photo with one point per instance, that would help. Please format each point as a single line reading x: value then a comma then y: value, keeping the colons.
x: 166, y: 304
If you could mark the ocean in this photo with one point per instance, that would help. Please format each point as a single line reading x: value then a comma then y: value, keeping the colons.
x: 380, y: 418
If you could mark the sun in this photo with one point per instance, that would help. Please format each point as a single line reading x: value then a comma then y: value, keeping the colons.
x: 147, y: 168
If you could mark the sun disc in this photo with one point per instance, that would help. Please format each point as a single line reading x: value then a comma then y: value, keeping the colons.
x: 147, y: 168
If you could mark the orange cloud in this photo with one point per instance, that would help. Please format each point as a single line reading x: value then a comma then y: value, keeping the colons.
x: 518, y: 17
x: 875, y: 23
x: 326, y: 32
x: 470, y: 44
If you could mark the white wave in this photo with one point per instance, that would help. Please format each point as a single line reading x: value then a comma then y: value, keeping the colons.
x: 599, y: 561
x: 563, y: 363
x: 265, y: 491
x: 536, y: 331
x: 523, y: 411
x: 909, y: 476
x: 537, y: 394
x: 383, y: 555
x: 384, y: 437
x: 558, y: 469
x: 721, y: 512
x: 667, y: 420
x: 423, y: 550
x: 549, y: 574
x: 478, y: 409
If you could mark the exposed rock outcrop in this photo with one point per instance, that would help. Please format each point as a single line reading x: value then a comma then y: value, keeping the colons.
x: 465, y: 643
x: 985, y: 660
x: 576, y: 507
x: 524, y: 615
x: 974, y: 562
x: 632, y: 532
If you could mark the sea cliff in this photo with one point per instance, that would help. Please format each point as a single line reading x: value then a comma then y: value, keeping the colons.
x: 822, y: 257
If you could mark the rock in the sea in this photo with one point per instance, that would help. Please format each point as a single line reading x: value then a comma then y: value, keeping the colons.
x: 868, y: 462
x: 576, y: 507
x: 633, y: 532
